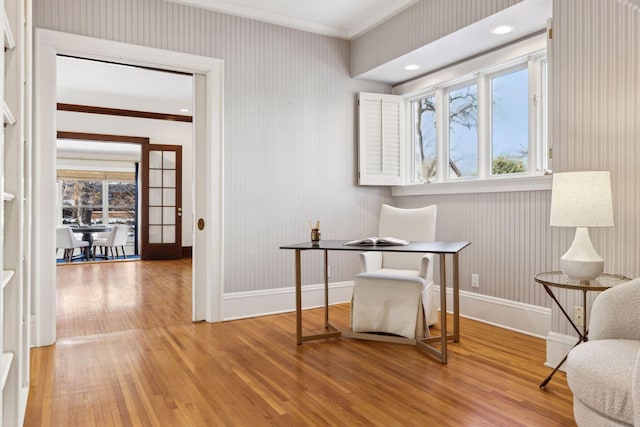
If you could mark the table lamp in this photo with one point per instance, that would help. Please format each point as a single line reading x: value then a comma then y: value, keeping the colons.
x: 581, y: 200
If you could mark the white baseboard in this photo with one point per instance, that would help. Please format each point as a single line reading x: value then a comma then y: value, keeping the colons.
x: 558, y: 345
x: 519, y: 317
x: 516, y: 316
x: 240, y: 305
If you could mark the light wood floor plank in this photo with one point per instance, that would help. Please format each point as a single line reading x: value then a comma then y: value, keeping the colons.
x: 128, y: 354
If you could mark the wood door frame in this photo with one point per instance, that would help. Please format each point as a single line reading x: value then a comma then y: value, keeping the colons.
x: 208, y: 145
x: 102, y: 137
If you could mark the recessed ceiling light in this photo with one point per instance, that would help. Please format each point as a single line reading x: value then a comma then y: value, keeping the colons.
x: 184, y: 110
x: 411, y: 67
x: 502, y: 29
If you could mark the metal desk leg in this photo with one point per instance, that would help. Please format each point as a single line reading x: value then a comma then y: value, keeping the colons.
x: 443, y: 308
x: 326, y: 289
x: 333, y: 332
x: 298, y: 299
x: 456, y: 299
x: 424, y: 343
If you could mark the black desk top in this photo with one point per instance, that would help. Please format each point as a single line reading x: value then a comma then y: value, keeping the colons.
x: 422, y: 247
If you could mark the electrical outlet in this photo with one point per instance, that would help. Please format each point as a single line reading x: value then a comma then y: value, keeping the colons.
x: 475, y: 280
x: 578, y: 315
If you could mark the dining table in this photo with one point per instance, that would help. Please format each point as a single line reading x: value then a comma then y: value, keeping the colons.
x: 87, y: 232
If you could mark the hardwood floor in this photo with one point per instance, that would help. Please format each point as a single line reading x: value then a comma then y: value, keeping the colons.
x: 131, y: 356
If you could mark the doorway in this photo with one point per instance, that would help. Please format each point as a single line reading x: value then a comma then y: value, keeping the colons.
x: 208, y: 167
x: 98, y: 185
x: 111, y: 110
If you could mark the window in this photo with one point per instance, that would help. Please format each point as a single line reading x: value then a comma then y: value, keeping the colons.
x: 121, y: 203
x: 424, y: 113
x: 479, y: 125
x: 463, y: 131
x: 487, y: 130
x: 88, y: 202
x: 81, y: 202
x: 510, y: 122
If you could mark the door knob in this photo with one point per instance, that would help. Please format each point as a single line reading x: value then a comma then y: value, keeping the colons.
x: 201, y: 224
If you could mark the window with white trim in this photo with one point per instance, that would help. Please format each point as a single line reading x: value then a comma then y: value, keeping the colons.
x: 475, y: 124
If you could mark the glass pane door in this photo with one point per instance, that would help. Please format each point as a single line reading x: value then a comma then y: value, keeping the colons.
x: 163, y: 172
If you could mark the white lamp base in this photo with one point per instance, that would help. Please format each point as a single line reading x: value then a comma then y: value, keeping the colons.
x: 581, y: 261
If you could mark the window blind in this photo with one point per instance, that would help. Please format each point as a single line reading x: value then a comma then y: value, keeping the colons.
x: 92, y: 175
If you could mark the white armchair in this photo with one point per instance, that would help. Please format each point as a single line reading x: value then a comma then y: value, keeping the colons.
x: 66, y: 240
x: 604, y: 372
x: 393, y: 294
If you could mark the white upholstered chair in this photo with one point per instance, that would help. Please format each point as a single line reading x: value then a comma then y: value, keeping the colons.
x: 66, y: 240
x: 117, y: 238
x: 604, y: 372
x: 393, y: 294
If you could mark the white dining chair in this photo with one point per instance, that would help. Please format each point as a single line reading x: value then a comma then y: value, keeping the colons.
x: 66, y: 240
x: 117, y: 239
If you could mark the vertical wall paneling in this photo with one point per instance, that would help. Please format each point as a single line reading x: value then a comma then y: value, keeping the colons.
x: 289, y: 128
x: 509, y: 233
x: 595, y: 107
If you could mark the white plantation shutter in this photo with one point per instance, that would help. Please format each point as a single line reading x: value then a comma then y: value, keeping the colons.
x: 380, y: 139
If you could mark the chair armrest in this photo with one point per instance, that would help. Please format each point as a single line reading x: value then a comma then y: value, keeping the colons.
x: 370, y: 261
x: 615, y: 313
x: 426, y: 267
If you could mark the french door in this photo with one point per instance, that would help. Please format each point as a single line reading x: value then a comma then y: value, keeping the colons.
x: 161, y: 219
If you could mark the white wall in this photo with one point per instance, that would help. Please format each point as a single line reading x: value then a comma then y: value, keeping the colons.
x: 596, y: 120
x: 289, y: 128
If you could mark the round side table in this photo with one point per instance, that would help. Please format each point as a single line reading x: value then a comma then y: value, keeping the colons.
x: 557, y: 279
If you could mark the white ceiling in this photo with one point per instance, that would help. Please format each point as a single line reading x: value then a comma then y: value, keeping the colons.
x: 344, y: 19
x: 101, y: 84
x: 526, y: 18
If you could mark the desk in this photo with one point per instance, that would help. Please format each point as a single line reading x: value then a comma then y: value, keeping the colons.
x: 440, y: 248
x: 87, y: 234
x: 558, y: 279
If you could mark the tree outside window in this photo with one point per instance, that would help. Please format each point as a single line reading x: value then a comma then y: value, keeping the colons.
x: 505, y: 124
x: 99, y: 202
x: 463, y: 131
x: 425, y: 137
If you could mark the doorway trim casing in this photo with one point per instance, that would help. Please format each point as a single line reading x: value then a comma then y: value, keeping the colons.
x: 207, y: 286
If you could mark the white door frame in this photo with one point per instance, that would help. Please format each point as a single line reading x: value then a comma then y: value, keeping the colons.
x: 208, y: 264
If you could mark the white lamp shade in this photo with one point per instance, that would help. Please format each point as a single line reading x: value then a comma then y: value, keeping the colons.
x: 581, y: 199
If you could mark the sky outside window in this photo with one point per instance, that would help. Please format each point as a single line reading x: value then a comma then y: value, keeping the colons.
x: 510, y: 123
